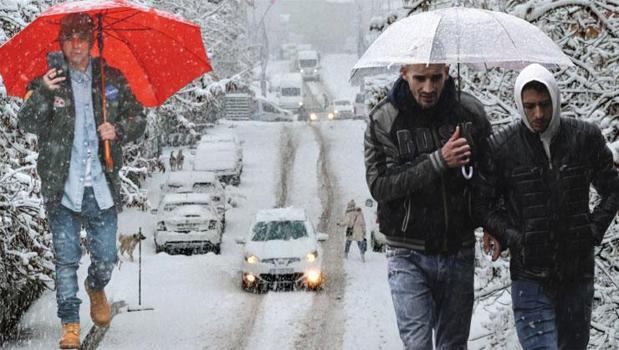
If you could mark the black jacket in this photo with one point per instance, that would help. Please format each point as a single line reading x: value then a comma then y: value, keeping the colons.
x: 422, y: 204
x: 540, y: 208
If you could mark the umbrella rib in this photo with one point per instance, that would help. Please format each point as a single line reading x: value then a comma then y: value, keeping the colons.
x: 504, y: 29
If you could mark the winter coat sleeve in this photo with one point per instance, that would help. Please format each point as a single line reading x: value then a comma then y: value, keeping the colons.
x: 605, y: 180
x: 388, y: 180
x: 36, y: 112
x: 487, y: 208
x: 132, y: 122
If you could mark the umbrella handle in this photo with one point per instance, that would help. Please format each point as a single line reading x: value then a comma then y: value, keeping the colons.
x: 467, y: 172
x: 107, y: 155
x: 107, y: 149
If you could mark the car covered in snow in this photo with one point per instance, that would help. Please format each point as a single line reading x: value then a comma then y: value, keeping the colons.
x: 342, y: 109
x: 186, y: 181
x: 224, y: 138
x: 221, y: 158
x: 187, y: 222
x: 282, y: 251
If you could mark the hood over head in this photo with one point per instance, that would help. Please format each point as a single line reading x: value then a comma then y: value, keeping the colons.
x: 536, y: 72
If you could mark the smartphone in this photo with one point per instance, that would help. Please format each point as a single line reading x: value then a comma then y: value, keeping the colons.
x: 56, y: 60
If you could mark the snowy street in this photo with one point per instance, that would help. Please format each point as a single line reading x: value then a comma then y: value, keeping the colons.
x: 197, y: 299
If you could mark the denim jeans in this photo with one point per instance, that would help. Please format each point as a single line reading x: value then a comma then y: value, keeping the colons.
x: 432, y: 292
x: 559, y: 322
x: 360, y: 244
x: 100, y: 226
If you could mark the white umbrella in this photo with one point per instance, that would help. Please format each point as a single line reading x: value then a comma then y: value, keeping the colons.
x: 475, y: 37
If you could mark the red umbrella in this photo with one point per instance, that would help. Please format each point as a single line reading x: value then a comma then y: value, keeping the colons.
x: 158, y: 52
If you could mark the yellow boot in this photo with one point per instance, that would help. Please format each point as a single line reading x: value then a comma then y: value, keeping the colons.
x: 100, y: 311
x: 70, y: 336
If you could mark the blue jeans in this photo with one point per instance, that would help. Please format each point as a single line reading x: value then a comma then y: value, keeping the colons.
x: 360, y: 244
x: 100, y: 226
x: 559, y: 322
x: 432, y: 292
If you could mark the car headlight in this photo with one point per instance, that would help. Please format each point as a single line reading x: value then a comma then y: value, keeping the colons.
x: 161, y: 226
x: 315, y: 70
x: 311, y: 256
x: 300, y: 104
x: 313, y: 277
x: 302, y: 71
x: 313, y: 116
x: 330, y: 115
x: 252, y: 259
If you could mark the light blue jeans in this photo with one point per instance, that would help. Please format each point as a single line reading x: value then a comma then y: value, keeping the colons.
x: 550, y: 323
x: 432, y: 292
x: 100, y: 226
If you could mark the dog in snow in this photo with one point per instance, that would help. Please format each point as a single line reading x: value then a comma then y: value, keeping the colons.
x: 128, y: 243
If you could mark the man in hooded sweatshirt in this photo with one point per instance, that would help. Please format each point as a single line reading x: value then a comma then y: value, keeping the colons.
x: 417, y: 140
x: 536, y: 203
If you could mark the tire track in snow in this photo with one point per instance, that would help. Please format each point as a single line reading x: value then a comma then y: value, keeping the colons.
x: 288, y: 150
x: 323, y: 326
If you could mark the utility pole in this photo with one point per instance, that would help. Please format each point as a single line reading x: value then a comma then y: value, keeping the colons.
x: 264, y: 50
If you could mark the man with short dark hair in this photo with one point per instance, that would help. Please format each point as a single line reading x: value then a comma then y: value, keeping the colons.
x: 414, y: 150
x: 536, y: 203
x: 63, y: 108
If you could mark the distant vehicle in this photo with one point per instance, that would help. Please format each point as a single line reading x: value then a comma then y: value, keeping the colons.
x: 308, y: 63
x: 221, y: 158
x: 282, y: 251
x: 187, y: 222
x: 288, y: 51
x: 269, y: 112
x: 360, y: 107
x: 291, y: 91
x: 342, y: 109
x: 186, y: 181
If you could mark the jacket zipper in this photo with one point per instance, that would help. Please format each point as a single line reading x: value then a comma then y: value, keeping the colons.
x: 407, y: 205
x: 443, y: 190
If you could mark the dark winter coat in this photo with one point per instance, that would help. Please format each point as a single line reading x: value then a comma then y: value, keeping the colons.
x: 51, y: 116
x: 535, y: 196
x: 422, y: 204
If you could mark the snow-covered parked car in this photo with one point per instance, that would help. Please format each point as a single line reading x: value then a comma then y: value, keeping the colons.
x: 282, y: 251
x: 342, y: 109
x: 187, y: 221
x: 220, y: 158
x: 186, y: 181
x: 224, y: 138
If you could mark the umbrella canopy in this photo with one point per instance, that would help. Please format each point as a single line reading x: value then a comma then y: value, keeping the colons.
x: 476, y: 37
x: 158, y: 52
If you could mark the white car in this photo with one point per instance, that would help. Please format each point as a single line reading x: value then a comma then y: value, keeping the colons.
x: 224, y: 138
x: 221, y: 158
x: 187, y: 221
x: 186, y: 181
x: 282, y: 251
x: 342, y: 109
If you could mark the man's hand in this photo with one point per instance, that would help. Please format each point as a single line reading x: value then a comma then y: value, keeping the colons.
x: 107, y: 131
x: 456, y: 152
x: 491, y: 245
x: 52, y: 80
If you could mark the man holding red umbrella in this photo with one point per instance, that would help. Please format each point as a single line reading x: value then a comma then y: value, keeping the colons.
x: 63, y: 108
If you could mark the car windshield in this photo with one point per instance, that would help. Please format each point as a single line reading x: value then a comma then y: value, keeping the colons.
x: 174, y: 205
x: 342, y: 103
x: 283, y: 230
x: 307, y: 63
x: 291, y: 91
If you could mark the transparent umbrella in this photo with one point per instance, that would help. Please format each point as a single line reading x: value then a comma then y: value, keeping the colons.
x: 479, y: 38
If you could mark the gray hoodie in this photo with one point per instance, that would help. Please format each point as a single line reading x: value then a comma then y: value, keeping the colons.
x: 536, y: 72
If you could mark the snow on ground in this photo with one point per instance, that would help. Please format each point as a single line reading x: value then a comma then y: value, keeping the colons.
x: 370, y: 319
